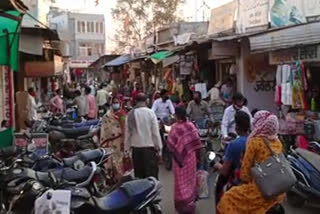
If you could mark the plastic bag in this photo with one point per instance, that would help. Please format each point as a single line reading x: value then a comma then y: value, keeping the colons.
x: 202, y: 184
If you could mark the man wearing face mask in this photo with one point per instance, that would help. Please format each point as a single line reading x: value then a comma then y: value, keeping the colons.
x: 198, y: 109
x: 163, y: 106
x: 228, y: 125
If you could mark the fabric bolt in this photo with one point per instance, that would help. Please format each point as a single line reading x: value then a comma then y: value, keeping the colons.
x: 228, y: 125
x: 163, y: 108
x: 184, y: 142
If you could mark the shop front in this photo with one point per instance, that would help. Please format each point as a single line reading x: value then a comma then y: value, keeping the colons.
x: 294, y: 53
x: 298, y: 90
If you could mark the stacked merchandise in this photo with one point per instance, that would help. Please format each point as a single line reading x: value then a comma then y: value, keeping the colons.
x: 293, y: 99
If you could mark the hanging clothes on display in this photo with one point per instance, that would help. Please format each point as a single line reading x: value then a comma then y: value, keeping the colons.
x: 286, y: 90
x: 298, y: 87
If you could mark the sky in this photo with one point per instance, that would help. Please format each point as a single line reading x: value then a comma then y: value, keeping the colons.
x: 193, y: 10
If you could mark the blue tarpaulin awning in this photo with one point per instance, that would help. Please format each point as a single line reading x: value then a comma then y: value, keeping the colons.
x: 121, y: 60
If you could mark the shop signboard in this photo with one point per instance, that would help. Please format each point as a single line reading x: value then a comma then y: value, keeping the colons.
x: 285, y: 13
x: 312, y: 9
x: 44, y: 69
x: 80, y: 63
x: 252, y: 14
x: 6, y: 106
x: 305, y: 54
x: 222, y: 18
x: 225, y: 49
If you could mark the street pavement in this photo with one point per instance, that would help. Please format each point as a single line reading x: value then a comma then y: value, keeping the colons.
x: 207, y: 206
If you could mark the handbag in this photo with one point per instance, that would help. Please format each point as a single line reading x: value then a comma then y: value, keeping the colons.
x: 274, y: 176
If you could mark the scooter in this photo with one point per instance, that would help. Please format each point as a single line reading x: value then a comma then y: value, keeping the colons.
x: 306, y: 167
x: 223, y: 184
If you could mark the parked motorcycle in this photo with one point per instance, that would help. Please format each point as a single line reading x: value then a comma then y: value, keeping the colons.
x: 132, y: 197
x: 21, y: 186
x: 306, y: 167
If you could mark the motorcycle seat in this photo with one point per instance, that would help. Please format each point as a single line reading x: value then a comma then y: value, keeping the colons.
x: 127, y: 197
x: 72, y: 132
x: 85, y: 156
x: 311, y: 157
x: 67, y: 174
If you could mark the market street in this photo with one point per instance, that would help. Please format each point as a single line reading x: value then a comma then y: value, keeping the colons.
x: 207, y: 206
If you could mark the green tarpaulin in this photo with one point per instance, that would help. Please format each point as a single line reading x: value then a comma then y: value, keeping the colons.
x: 6, y: 138
x: 161, y: 55
x: 9, y: 35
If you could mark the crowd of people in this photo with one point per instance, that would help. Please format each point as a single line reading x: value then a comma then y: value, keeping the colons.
x: 135, y: 138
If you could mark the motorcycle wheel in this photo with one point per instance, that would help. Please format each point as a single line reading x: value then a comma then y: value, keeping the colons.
x: 295, y: 200
x: 156, y: 209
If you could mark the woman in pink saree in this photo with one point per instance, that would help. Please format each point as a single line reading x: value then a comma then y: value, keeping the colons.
x: 184, y: 143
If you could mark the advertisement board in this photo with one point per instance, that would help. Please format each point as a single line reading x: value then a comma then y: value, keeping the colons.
x: 312, y: 9
x: 306, y: 54
x: 222, y: 18
x: 252, y: 14
x: 287, y: 12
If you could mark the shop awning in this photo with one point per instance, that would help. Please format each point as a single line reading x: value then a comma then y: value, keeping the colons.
x: 121, y: 60
x: 159, y: 56
x: 9, y: 40
x: 288, y: 37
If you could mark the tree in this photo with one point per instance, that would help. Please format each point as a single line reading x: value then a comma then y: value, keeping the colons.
x: 140, y: 18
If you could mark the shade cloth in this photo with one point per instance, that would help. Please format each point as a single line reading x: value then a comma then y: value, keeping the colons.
x: 11, y: 38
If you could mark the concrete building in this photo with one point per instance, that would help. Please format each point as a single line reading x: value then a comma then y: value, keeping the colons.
x: 84, y: 35
x: 167, y: 36
x: 38, y: 9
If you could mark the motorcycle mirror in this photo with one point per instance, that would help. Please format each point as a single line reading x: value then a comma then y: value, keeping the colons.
x: 211, y: 156
x: 31, y: 148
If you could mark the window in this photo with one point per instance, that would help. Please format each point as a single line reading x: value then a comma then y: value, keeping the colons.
x: 89, y: 51
x: 83, y: 27
x: 88, y: 27
x: 78, y: 26
x: 102, y: 49
x: 82, y: 51
x: 97, y: 27
x: 101, y: 27
x: 92, y: 27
